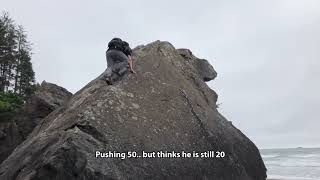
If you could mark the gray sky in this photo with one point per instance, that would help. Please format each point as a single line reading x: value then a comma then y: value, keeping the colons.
x: 266, y: 53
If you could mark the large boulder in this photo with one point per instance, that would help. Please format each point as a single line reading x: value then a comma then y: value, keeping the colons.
x: 9, y: 138
x: 47, y: 98
x: 166, y: 106
x: 202, y: 66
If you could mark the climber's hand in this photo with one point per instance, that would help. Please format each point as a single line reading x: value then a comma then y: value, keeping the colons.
x: 132, y: 71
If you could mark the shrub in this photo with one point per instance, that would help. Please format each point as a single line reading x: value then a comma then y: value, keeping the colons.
x: 9, y: 104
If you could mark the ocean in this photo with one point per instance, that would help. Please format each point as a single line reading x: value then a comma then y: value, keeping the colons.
x: 292, y: 164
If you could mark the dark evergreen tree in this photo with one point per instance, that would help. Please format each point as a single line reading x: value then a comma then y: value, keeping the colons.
x: 16, y: 73
x: 8, y: 46
x: 24, y: 74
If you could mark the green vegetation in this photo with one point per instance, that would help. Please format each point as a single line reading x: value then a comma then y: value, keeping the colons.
x: 17, y: 81
x: 9, y: 104
x: 16, y: 73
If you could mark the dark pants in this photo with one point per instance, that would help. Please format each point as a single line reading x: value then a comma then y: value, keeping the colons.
x: 118, y: 65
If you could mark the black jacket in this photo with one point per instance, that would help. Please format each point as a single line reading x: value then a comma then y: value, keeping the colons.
x: 120, y: 45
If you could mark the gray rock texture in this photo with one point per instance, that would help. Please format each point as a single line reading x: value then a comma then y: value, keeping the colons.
x: 47, y: 98
x: 166, y: 106
x: 202, y: 66
x: 9, y: 138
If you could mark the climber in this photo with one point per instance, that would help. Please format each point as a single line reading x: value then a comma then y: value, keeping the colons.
x: 118, y: 60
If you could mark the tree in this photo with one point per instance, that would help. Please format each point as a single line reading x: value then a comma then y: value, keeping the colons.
x: 16, y: 72
x: 8, y: 46
x: 24, y: 74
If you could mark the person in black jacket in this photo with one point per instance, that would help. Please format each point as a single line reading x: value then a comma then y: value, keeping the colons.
x: 119, y: 60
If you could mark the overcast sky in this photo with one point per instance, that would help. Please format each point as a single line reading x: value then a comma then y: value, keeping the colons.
x: 266, y: 52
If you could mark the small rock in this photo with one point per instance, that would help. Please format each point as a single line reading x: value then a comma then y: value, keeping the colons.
x: 136, y: 106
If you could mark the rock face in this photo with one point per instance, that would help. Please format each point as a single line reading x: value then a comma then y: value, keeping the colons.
x: 47, y: 98
x: 202, y: 66
x: 166, y: 106
x: 9, y: 138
